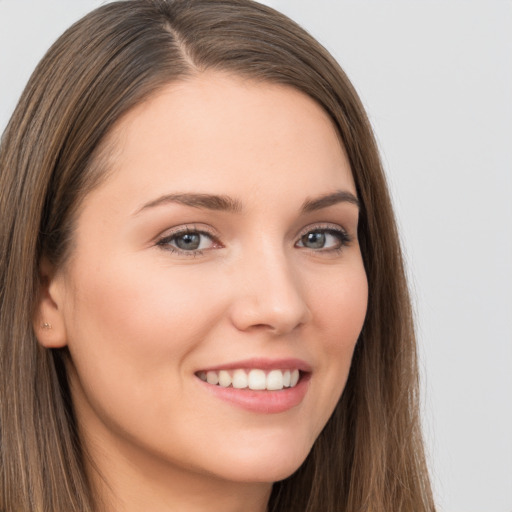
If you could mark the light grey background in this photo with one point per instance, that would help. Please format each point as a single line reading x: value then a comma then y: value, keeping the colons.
x: 436, y: 77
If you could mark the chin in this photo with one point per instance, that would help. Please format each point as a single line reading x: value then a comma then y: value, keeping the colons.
x: 274, y: 467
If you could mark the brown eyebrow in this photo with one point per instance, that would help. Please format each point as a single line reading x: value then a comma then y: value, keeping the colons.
x: 208, y: 201
x: 341, y: 196
x: 226, y: 203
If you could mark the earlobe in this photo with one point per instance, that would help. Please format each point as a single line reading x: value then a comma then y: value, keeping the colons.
x: 48, y: 323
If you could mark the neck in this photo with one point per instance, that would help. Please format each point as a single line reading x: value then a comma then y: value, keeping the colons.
x: 131, y: 482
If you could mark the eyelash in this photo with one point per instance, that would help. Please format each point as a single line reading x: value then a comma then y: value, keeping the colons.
x: 165, y: 242
x: 344, y: 239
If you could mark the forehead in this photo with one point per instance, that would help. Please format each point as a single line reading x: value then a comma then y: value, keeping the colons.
x: 218, y: 133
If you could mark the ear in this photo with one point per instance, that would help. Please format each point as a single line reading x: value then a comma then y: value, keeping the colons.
x: 48, y: 322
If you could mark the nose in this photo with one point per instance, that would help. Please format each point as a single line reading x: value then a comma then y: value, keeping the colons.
x: 269, y: 294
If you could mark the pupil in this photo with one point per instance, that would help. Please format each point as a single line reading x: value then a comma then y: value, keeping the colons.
x: 315, y: 240
x: 188, y: 241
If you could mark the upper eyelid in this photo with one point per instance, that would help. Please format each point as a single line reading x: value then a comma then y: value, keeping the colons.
x: 188, y: 228
x: 344, y: 239
x: 195, y: 228
x: 322, y: 226
x: 163, y: 242
x: 216, y: 237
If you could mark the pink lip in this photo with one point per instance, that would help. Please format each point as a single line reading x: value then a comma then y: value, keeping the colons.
x: 263, y: 402
x: 263, y: 364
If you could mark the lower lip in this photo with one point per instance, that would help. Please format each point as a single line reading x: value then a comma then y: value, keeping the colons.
x: 262, y: 402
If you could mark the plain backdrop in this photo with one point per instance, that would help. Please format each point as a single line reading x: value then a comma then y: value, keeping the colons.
x: 436, y: 78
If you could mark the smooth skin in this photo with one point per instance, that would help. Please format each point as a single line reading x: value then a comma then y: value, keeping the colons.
x: 156, y: 290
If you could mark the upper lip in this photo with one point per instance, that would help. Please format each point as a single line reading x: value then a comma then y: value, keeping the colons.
x: 262, y: 364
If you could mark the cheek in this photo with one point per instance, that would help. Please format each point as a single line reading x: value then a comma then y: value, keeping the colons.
x: 133, y: 324
x: 131, y: 302
x: 131, y: 329
x: 341, y: 309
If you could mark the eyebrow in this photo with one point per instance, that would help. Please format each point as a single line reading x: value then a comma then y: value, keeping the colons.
x: 229, y: 204
x: 340, y: 196
x: 206, y: 201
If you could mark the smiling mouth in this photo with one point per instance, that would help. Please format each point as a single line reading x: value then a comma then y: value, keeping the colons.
x: 254, y: 379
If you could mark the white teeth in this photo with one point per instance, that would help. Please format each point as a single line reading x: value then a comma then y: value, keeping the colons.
x: 239, y: 379
x: 224, y: 379
x: 275, y: 380
x: 255, y: 379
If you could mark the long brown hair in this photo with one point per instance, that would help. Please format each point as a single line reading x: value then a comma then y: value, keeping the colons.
x: 370, y: 455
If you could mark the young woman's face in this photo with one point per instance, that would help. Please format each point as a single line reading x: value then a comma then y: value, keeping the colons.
x: 221, y: 247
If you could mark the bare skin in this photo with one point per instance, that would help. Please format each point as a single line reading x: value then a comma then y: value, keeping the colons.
x: 226, y: 232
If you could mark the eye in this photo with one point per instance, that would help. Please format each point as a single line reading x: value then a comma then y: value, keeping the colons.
x: 188, y: 241
x: 324, y: 239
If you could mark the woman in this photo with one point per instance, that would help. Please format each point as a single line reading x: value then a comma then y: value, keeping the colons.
x: 203, y: 298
